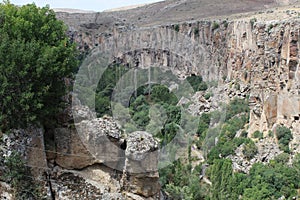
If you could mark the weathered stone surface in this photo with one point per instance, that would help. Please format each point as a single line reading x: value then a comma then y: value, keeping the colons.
x: 29, y: 143
x: 141, y: 152
x: 6, y: 192
x: 141, y: 164
x: 145, y: 184
x: 101, y: 137
x: 267, y: 150
x: 70, y: 151
x: 270, y: 109
x: 94, y: 141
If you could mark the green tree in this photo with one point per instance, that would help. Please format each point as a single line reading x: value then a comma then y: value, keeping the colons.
x: 250, y: 150
x: 36, y: 57
x: 284, y: 136
x: 221, y: 176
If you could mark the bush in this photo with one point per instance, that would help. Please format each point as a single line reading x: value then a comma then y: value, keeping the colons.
x: 250, y: 150
x: 244, y: 134
x: 225, y: 22
x: 161, y: 94
x: 208, y: 95
x: 236, y: 106
x: 204, y: 122
x: 215, y: 26
x: 36, y: 57
x: 176, y: 27
x: 252, y: 21
x: 258, y: 134
x: 282, y: 158
x: 284, y: 136
x: 202, y: 86
x: 194, y: 81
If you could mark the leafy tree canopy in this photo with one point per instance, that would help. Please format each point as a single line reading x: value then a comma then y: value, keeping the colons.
x: 36, y: 57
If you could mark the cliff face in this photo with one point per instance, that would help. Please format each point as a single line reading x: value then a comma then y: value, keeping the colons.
x: 262, y: 55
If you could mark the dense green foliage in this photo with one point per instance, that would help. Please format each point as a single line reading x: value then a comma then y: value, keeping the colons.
x: 181, y: 182
x: 258, y: 134
x: 105, y: 88
x: 36, y: 57
x: 284, y: 136
x: 149, y: 100
x: 169, y: 120
x: 270, y: 181
x: 197, y: 83
x: 236, y: 116
x: 215, y: 25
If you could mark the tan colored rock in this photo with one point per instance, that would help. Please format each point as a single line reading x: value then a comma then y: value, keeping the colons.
x: 71, y: 153
x: 146, y: 185
x: 270, y: 110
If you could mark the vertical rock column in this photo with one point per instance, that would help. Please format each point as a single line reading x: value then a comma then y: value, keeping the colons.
x: 141, y: 165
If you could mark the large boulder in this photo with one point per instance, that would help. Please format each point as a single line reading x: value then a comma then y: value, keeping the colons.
x: 93, y: 141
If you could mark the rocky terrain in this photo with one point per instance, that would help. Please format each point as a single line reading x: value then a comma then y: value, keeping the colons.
x: 248, y: 48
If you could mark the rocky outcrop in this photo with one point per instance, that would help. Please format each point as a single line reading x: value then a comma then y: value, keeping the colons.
x: 267, y: 150
x: 141, y: 164
x: 113, y: 165
x: 29, y: 143
x: 70, y: 151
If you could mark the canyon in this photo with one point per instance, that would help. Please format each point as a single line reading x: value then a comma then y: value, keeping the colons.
x: 244, y: 51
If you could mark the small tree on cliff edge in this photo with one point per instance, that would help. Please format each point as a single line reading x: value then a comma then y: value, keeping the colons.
x: 36, y: 56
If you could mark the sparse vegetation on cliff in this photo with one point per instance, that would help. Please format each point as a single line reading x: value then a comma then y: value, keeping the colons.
x: 215, y: 25
x: 18, y: 175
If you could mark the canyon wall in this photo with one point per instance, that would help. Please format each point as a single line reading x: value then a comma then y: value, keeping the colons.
x: 262, y: 55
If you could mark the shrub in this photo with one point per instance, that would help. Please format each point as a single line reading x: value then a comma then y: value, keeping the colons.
x: 284, y: 136
x: 236, y: 106
x: 250, y: 150
x: 225, y: 22
x: 258, y: 134
x: 244, y: 134
x: 160, y: 93
x: 282, y: 158
x: 208, y: 95
x: 202, y: 86
x: 252, y: 21
x: 215, y: 25
x: 176, y: 27
x: 270, y: 133
x: 194, y: 81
